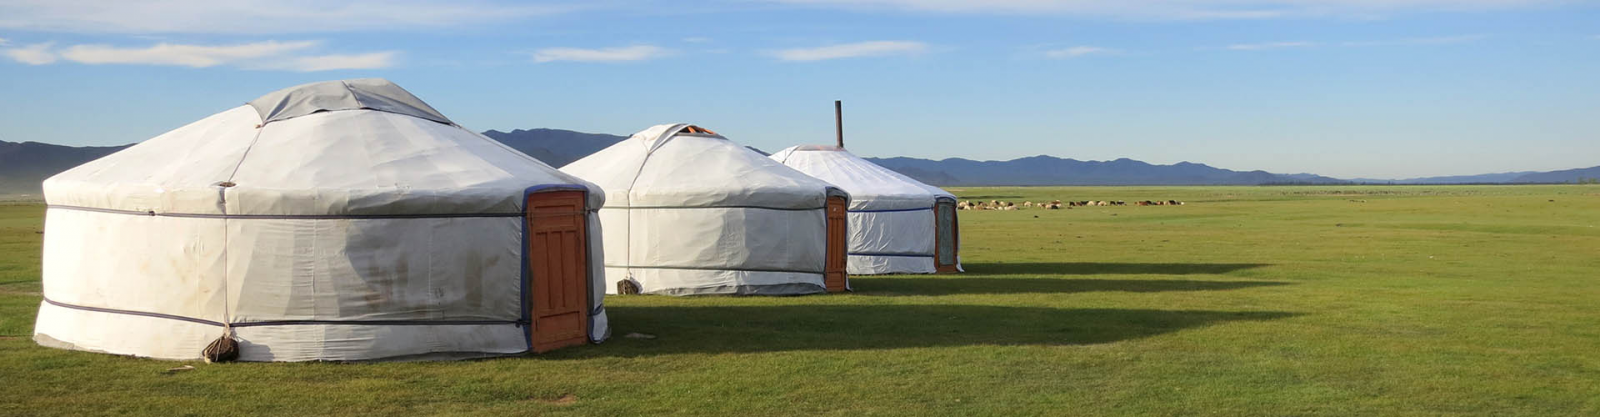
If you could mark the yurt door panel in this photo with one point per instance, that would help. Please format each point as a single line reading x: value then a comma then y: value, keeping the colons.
x: 833, y: 271
x: 557, y: 270
x: 946, y: 237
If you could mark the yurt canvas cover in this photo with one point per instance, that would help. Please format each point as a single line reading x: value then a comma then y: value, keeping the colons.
x: 897, y: 224
x: 343, y: 220
x: 689, y: 212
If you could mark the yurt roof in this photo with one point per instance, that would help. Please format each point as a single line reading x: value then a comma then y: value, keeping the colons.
x: 683, y: 165
x: 871, y: 186
x: 356, y: 147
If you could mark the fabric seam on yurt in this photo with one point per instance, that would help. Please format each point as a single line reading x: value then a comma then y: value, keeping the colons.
x: 908, y: 255
x: 698, y: 268
x: 891, y: 210
x: 269, y: 323
x: 714, y: 207
x: 283, y: 216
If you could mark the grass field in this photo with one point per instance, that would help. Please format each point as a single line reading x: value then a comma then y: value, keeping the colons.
x: 1375, y: 300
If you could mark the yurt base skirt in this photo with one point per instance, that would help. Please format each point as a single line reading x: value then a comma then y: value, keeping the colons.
x: 890, y: 264
x: 672, y: 281
x: 166, y: 338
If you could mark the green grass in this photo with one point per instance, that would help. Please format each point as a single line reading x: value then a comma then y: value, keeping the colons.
x: 1366, y: 300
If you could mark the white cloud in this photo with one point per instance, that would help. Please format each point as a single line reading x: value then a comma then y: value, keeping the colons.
x: 697, y: 39
x: 259, y: 16
x: 617, y: 54
x: 374, y: 60
x: 35, y: 54
x: 3, y: 41
x: 1181, y: 9
x: 1269, y: 45
x: 182, y: 55
x: 1077, y: 51
x: 267, y: 55
x: 852, y: 50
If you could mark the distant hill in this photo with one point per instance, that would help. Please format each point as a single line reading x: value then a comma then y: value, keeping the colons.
x: 1569, y: 175
x: 1523, y: 177
x: 555, y: 146
x: 1050, y: 170
x: 23, y: 166
x: 560, y: 147
x: 1456, y: 179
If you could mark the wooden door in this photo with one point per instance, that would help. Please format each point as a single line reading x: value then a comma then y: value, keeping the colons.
x: 947, y: 237
x: 558, y: 267
x: 833, y: 272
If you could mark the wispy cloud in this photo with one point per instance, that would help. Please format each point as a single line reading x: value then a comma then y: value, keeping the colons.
x: 271, y: 55
x: 697, y: 39
x: 196, y: 56
x: 3, y: 41
x: 616, y: 54
x: 260, y: 16
x: 373, y: 60
x: 35, y: 54
x: 852, y: 50
x: 1180, y: 9
x: 1439, y: 40
x: 1269, y: 45
x: 1077, y: 51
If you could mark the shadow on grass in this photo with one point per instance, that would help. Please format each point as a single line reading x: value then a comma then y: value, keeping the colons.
x: 740, y: 329
x: 955, y: 285
x: 1102, y: 268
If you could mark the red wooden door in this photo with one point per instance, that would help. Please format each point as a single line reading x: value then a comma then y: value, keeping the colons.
x: 557, y: 270
x: 833, y: 272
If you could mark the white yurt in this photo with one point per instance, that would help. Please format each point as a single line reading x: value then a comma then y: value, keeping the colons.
x: 337, y: 221
x: 897, y: 224
x: 689, y: 212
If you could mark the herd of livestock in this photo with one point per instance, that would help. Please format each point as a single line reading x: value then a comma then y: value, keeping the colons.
x: 1056, y: 204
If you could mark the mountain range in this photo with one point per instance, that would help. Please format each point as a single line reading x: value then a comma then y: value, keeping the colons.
x: 24, y: 165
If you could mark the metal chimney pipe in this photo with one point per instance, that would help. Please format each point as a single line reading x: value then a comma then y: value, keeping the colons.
x: 838, y: 121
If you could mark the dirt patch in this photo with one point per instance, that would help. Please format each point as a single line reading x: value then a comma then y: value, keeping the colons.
x: 564, y: 399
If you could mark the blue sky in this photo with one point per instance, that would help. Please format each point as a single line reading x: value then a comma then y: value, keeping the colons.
x: 1348, y: 88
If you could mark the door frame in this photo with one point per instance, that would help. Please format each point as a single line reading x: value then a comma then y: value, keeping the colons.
x: 955, y: 237
x: 527, y: 321
x: 842, y: 204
